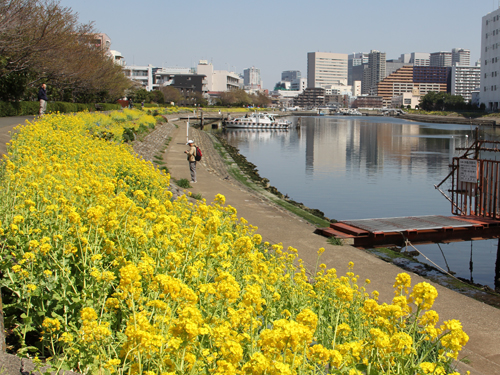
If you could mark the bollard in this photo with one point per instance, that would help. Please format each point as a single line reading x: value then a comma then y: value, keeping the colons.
x: 2, y: 328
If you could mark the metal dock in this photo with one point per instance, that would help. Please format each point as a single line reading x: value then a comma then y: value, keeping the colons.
x: 369, y: 233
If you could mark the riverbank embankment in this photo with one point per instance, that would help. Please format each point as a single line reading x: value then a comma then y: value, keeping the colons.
x: 486, y: 121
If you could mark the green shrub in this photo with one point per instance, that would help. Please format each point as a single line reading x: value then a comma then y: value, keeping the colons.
x: 32, y: 107
x: 183, y: 183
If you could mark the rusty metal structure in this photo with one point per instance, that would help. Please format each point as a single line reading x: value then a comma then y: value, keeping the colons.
x: 475, y: 182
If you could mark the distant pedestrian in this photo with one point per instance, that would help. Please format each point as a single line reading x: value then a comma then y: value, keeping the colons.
x: 191, y: 157
x: 130, y: 103
x: 42, y: 98
x: 142, y: 104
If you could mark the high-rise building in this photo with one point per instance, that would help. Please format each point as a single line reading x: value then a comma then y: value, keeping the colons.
x: 490, y: 65
x: 465, y: 80
x: 374, y: 73
x: 356, y: 60
x: 416, y: 58
x: 325, y: 68
x: 251, y: 79
x: 441, y: 58
x: 460, y: 56
x: 290, y: 75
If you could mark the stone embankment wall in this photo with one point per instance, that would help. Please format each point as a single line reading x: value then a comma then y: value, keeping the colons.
x: 450, y: 119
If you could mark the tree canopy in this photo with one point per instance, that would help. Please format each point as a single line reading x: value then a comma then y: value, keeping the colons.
x: 239, y: 97
x: 42, y: 42
x: 442, y: 101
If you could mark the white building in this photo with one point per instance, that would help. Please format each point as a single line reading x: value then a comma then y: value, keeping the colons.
x: 324, y: 68
x: 490, y: 52
x: 298, y: 84
x: 460, y: 56
x: 356, y: 88
x: 118, y: 58
x: 141, y: 74
x: 464, y: 80
x: 218, y: 80
x: 251, y: 79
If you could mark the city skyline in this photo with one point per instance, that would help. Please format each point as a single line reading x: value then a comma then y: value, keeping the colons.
x: 276, y: 36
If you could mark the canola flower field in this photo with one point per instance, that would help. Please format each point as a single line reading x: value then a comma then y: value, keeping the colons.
x: 102, y: 271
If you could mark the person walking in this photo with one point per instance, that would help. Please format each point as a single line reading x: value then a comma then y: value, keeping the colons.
x: 42, y: 98
x: 191, y: 157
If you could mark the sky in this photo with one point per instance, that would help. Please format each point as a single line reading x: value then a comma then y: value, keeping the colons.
x: 276, y: 35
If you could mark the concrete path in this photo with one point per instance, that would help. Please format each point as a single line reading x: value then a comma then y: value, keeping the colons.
x: 481, y: 322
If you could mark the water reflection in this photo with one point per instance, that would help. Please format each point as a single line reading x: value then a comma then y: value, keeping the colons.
x: 366, y: 167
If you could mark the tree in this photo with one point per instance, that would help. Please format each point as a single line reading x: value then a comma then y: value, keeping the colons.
x: 442, y: 101
x: 156, y: 96
x: 171, y: 94
x: 41, y: 41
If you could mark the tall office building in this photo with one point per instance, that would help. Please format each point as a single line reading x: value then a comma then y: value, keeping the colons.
x: 441, y: 59
x: 490, y: 53
x: 325, y: 68
x: 460, y: 56
x: 290, y: 75
x: 374, y: 73
x: 416, y: 58
x: 356, y: 60
x: 251, y: 78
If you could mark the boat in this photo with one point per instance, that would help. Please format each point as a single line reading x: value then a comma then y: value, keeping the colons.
x: 262, y: 120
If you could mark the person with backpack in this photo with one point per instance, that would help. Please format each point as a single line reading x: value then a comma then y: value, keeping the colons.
x: 42, y: 98
x: 191, y: 157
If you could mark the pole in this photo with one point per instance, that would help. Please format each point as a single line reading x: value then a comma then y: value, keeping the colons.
x: 497, y: 269
x: 187, y: 130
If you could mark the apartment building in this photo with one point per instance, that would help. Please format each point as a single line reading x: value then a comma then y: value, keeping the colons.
x: 218, y: 80
x: 465, y: 80
x: 490, y: 64
x: 311, y: 97
x: 411, y: 79
x: 141, y: 74
x: 395, y: 84
x: 325, y: 68
x: 440, y: 59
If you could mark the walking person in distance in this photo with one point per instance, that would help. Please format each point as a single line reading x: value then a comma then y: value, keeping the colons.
x: 191, y: 157
x: 42, y: 98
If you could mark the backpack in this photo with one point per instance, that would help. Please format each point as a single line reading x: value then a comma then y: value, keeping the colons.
x: 198, y: 154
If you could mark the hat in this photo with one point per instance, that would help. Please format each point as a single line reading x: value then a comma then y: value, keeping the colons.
x: 190, y: 141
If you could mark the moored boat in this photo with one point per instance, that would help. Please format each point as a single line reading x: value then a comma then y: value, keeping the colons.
x: 258, y: 121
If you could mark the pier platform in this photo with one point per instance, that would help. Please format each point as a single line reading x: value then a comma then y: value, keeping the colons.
x: 395, y: 231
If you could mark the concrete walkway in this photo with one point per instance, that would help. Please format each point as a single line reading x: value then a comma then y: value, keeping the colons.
x: 480, y: 321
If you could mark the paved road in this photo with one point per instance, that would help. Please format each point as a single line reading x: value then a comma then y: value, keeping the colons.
x: 7, y: 125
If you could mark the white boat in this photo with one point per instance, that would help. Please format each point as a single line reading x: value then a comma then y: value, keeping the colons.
x: 258, y: 121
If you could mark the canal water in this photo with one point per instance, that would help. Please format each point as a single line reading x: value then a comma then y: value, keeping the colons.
x: 371, y: 167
